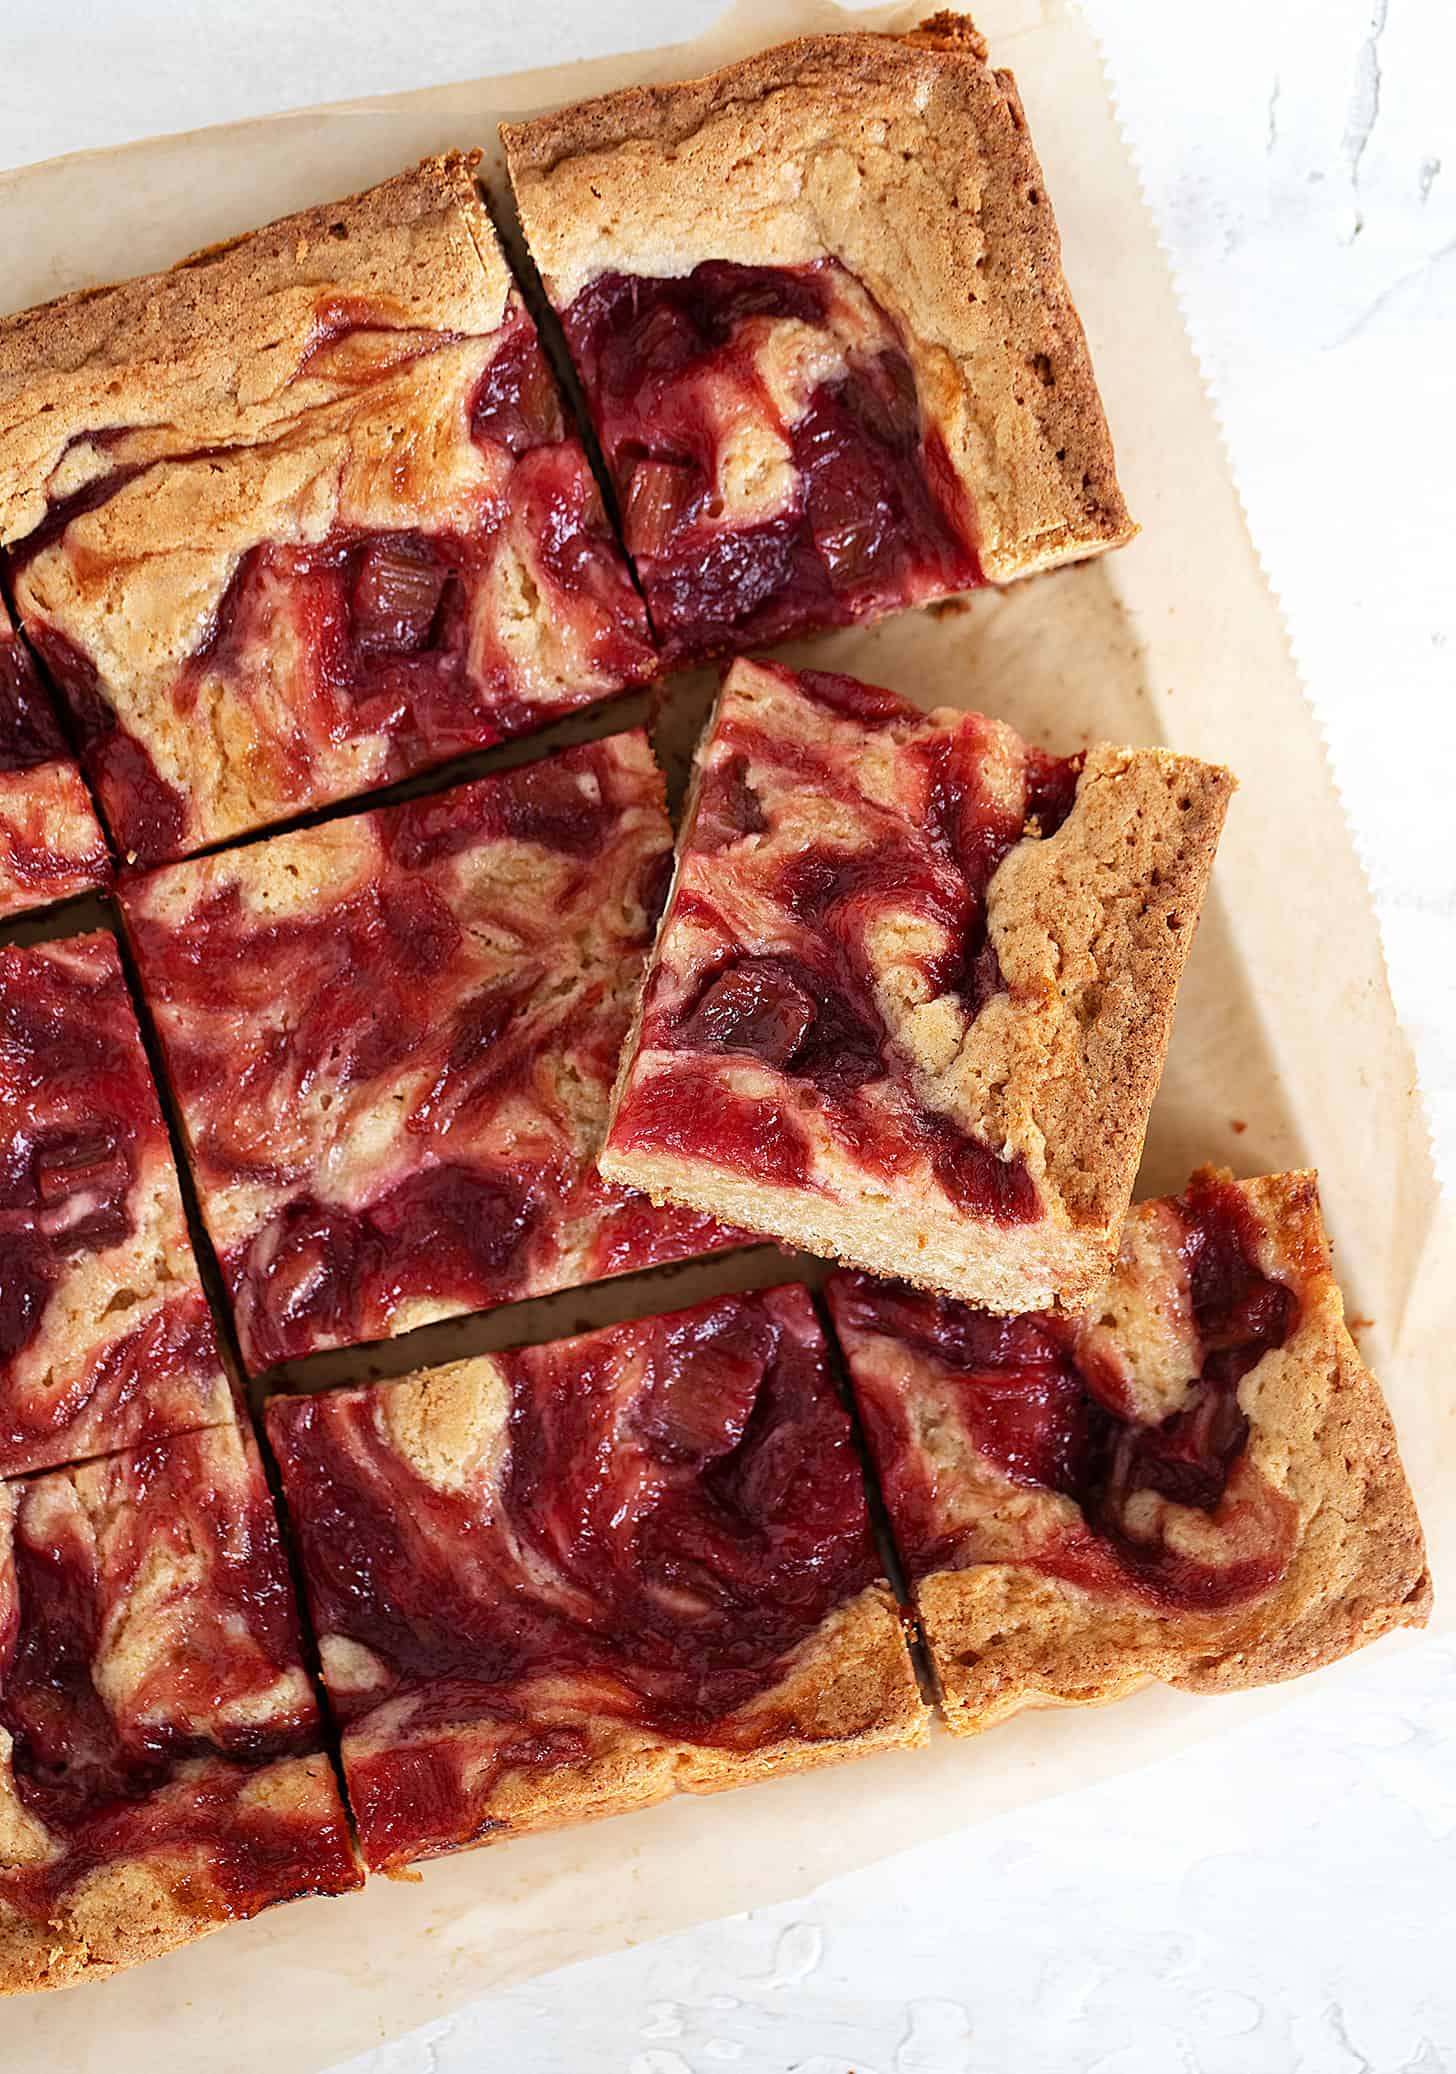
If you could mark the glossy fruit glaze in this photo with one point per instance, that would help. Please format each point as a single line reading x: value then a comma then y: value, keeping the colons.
x: 638, y: 1530
x: 413, y: 642
x: 394, y: 1088
x: 803, y: 998
x: 29, y: 732
x: 105, y: 1336
x: 1046, y: 1405
x: 50, y: 845
x: 150, y: 1672
x: 707, y: 387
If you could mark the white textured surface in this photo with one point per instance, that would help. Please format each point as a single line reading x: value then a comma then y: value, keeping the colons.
x: 1281, y: 1900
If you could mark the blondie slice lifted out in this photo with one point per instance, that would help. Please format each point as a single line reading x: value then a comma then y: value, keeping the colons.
x: 911, y: 997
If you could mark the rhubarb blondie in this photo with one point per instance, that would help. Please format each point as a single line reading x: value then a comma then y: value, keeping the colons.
x: 162, y: 1769
x: 817, y: 306
x: 50, y: 844
x: 303, y: 515
x: 392, y: 1041
x: 1195, y: 1483
x: 910, y: 999
x: 568, y: 1580
x: 106, y: 1340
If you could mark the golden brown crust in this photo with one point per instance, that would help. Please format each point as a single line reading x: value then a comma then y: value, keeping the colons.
x: 211, y: 349
x: 908, y: 160
x: 1092, y: 929
x: 1003, y: 1636
x: 135, y: 1910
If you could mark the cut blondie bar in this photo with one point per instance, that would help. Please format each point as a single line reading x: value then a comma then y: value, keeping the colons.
x: 816, y: 303
x: 161, y: 1763
x: 1196, y: 1483
x: 568, y: 1580
x: 106, y: 1340
x: 910, y: 999
x: 392, y: 1040
x: 302, y: 515
x: 50, y: 844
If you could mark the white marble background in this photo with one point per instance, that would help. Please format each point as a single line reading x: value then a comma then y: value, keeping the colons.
x: 1280, y: 1902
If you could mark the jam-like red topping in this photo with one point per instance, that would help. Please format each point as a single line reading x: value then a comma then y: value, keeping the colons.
x: 804, y: 1000
x: 405, y: 640
x: 83, y: 1155
x: 676, y: 1508
x: 29, y: 733
x: 1036, y: 1401
x: 874, y: 519
x: 464, y: 975
x: 50, y: 845
x: 147, y: 814
x: 139, y: 1719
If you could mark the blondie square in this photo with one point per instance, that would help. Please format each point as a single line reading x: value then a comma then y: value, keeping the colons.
x: 569, y: 1580
x: 106, y: 1340
x: 1196, y: 1483
x: 392, y: 1041
x: 817, y: 306
x: 911, y: 996
x: 302, y: 515
x: 50, y: 844
x: 161, y: 1762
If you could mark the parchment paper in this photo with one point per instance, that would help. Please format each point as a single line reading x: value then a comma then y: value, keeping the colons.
x: 1287, y: 1052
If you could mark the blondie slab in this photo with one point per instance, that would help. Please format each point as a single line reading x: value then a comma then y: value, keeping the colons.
x: 911, y: 997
